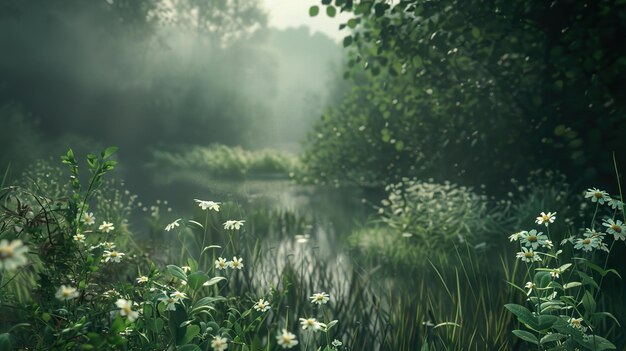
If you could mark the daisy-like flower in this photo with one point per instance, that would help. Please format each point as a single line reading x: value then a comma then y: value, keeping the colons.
x: 12, y: 255
x: 310, y: 323
x: 548, y: 244
x: 88, y: 218
x: 320, y: 298
x: 286, y: 339
x: 555, y: 273
x: 528, y: 255
x: 211, y: 205
x: 235, y: 263
x: 534, y: 239
x: 126, y: 309
x: 219, y: 344
x: 112, y: 256
x: 179, y: 295
x: 233, y: 224
x: 143, y: 279
x: 172, y: 225
x: 186, y: 269
x: 529, y: 286
x: 586, y: 244
x: 616, y: 204
x: 597, y: 195
x: 336, y: 343
x: 109, y: 245
x: 170, y: 303
x: 261, y: 305
x: 106, y: 227
x: 518, y: 235
x: 546, y: 218
x: 79, y: 237
x: 616, y: 228
x: 577, y: 323
x: 221, y: 263
x: 66, y: 293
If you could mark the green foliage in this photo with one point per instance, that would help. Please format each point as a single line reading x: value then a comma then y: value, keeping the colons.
x: 564, y: 282
x: 439, y: 91
x: 220, y: 161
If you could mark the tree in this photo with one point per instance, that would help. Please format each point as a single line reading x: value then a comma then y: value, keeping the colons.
x: 478, y: 91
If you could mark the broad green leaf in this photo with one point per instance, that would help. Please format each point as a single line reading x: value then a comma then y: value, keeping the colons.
x: 589, y: 302
x: 110, y: 151
x: 214, y: 281
x: 551, y: 338
x: 190, y: 333
x: 196, y: 279
x: 526, y: 336
x: 522, y: 313
x: 314, y: 10
x: 571, y: 285
x: 177, y: 272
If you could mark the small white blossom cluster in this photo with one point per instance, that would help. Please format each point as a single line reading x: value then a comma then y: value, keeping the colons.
x: 235, y: 263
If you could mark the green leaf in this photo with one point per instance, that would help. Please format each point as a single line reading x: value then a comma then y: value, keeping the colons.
x: 589, y: 302
x: 177, y: 272
x: 526, y: 336
x: 196, y: 279
x: 214, y: 280
x: 331, y: 11
x: 190, y: 333
x: 551, y: 338
x: 602, y: 315
x: 347, y: 41
x: 314, y: 11
x: 597, y: 343
x: 571, y: 285
x: 5, y: 341
x: 352, y: 23
x: 189, y: 347
x: 522, y: 313
x: 110, y: 151
x: 475, y: 32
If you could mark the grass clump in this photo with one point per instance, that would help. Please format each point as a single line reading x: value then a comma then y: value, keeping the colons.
x: 221, y: 161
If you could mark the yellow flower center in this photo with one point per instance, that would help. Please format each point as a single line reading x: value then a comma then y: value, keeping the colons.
x: 286, y: 339
x: 532, y: 238
x: 528, y: 254
x: 545, y: 218
x: 616, y: 228
x: 127, y: 310
x: 598, y: 195
x: 114, y: 254
x: 6, y: 252
x: 587, y: 241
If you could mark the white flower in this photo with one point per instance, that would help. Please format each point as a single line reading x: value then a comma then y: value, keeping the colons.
x: 178, y: 295
x: 106, y: 227
x: 219, y: 344
x: 616, y: 204
x: 577, y: 323
x: 336, y: 343
x: 261, y: 305
x: 172, y: 225
x: 597, y: 195
x: 310, y: 323
x: 211, y: 205
x: 534, y: 239
x: 142, y: 279
x: 186, y: 269
x: 112, y: 256
x: 528, y: 255
x: 221, y: 263
x: 287, y: 340
x: 108, y: 245
x: 320, y: 298
x: 587, y: 244
x: 12, y: 255
x: 616, y: 228
x: 66, y: 293
x: 529, y: 286
x: 79, y: 237
x: 235, y: 263
x: 170, y: 303
x: 89, y: 218
x: 126, y: 309
x: 233, y: 224
x: 546, y: 218
x: 518, y: 235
